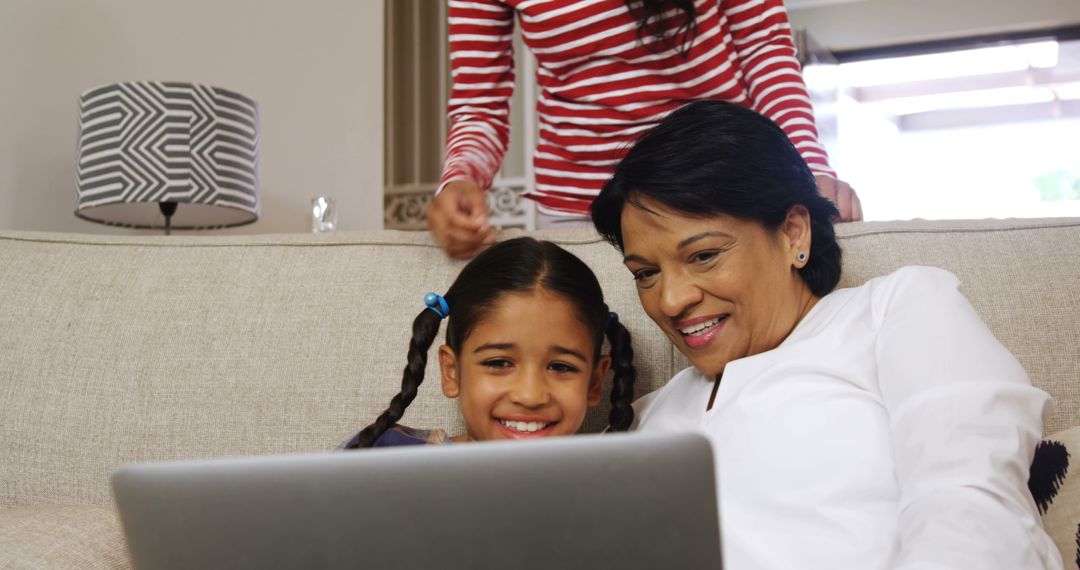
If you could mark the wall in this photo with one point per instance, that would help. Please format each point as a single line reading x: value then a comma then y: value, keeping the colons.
x: 315, y: 68
x: 872, y: 23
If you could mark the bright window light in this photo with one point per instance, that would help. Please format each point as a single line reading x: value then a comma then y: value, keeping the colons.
x: 997, y: 140
x: 1068, y: 90
x: 967, y: 100
x: 966, y: 63
x: 1040, y: 55
x: 821, y: 76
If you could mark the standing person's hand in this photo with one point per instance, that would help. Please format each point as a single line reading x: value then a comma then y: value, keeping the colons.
x: 458, y: 218
x: 843, y: 195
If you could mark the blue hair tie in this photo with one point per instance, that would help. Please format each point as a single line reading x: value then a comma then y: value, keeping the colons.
x: 612, y: 317
x: 437, y: 303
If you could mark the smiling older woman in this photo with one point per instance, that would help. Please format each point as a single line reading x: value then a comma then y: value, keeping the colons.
x: 876, y: 427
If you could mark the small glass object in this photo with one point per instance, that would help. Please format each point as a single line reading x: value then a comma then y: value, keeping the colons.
x: 323, y: 214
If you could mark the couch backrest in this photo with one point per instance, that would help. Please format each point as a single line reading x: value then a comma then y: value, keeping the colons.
x: 120, y: 349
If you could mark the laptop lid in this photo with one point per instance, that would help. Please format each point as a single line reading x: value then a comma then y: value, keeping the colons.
x: 627, y: 501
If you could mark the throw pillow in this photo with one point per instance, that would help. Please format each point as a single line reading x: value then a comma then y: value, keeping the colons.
x: 1055, y: 486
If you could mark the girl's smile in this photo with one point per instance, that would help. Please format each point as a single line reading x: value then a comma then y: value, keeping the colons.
x: 526, y: 429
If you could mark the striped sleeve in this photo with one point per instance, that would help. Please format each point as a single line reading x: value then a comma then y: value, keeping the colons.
x: 482, y: 66
x: 761, y: 35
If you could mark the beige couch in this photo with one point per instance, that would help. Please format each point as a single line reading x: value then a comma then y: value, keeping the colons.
x: 120, y: 349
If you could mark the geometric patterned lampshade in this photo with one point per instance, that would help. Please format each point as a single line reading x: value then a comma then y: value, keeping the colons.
x: 172, y: 155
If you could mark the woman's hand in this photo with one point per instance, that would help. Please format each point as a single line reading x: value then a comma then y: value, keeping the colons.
x: 458, y: 218
x: 843, y: 195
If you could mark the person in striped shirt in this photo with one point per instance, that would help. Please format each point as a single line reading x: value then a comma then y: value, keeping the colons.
x: 608, y: 70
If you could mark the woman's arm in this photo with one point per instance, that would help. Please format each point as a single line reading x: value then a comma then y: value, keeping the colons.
x: 965, y: 422
x: 482, y: 66
x: 762, y: 37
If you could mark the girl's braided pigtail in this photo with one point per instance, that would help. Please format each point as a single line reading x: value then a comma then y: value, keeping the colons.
x: 425, y: 329
x: 622, y: 363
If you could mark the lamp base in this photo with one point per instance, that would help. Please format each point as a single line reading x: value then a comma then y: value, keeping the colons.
x: 168, y: 209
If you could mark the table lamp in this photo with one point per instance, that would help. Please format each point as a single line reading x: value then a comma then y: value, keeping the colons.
x: 167, y: 155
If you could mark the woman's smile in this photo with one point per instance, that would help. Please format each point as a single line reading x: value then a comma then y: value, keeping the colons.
x: 699, y: 332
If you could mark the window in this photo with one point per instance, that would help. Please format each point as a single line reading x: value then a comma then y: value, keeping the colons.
x: 969, y: 133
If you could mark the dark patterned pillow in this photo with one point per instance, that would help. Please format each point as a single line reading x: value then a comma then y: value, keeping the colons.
x: 1055, y: 486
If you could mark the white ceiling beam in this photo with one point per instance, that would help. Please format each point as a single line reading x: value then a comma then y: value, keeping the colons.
x: 1031, y: 77
x: 958, y: 118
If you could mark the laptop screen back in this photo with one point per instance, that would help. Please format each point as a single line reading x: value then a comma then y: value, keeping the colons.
x: 625, y: 501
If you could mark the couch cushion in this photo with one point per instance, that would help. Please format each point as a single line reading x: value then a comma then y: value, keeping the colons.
x: 133, y: 349
x: 120, y: 349
x: 46, y: 538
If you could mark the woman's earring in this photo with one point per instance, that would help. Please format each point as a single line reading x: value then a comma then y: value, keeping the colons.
x: 801, y: 257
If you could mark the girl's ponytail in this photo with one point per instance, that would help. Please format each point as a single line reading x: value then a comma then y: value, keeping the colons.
x: 622, y: 387
x: 424, y: 330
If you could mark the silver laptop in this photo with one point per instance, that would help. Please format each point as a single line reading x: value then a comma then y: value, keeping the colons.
x: 628, y: 501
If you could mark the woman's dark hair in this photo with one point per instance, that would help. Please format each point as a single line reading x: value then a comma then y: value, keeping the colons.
x: 714, y: 157
x: 514, y: 266
x: 679, y: 27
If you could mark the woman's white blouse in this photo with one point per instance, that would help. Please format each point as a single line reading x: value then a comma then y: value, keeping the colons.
x: 889, y: 430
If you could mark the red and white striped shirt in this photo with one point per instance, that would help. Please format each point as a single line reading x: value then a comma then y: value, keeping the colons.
x: 602, y: 85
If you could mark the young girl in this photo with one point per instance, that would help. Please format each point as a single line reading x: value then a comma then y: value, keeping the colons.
x: 526, y: 323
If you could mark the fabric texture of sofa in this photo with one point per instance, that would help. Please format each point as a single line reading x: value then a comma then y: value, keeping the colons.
x: 123, y: 349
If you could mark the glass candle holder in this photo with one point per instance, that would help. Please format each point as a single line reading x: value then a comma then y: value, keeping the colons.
x: 323, y: 214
